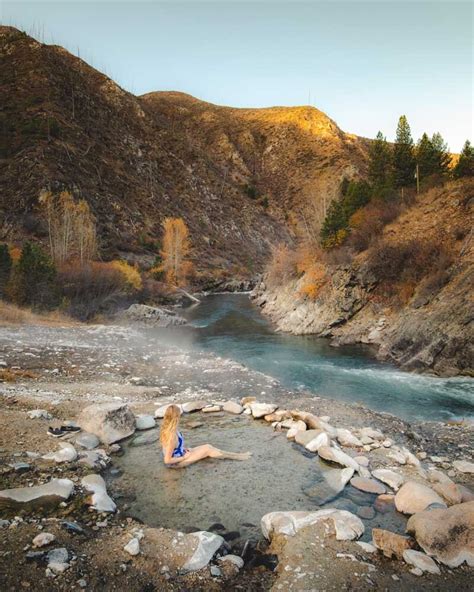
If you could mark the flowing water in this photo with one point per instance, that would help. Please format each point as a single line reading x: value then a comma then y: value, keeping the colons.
x: 232, y: 326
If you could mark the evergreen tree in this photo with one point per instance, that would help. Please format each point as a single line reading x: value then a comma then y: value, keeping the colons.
x: 425, y: 156
x: 465, y: 164
x: 334, y: 221
x: 380, y: 163
x: 34, y: 279
x: 403, y: 157
x: 5, y: 268
x: 441, y: 154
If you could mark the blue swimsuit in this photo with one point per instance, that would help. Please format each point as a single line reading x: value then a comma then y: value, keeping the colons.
x: 179, y: 450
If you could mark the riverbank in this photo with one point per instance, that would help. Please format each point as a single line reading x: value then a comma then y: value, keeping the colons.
x: 73, y: 367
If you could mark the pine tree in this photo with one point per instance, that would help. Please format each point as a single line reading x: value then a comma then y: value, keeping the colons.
x: 425, y: 156
x: 34, y: 279
x: 380, y: 163
x: 465, y: 164
x: 5, y: 268
x: 441, y: 154
x: 403, y: 157
x: 334, y: 221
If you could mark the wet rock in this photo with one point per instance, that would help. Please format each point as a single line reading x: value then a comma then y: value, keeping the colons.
x: 390, y: 543
x: 347, y: 438
x: 332, y: 483
x: 464, y: 466
x: 367, y: 485
x: 43, y: 539
x: 53, y: 492
x: 390, y: 478
x: 193, y: 406
x: 39, y: 414
x: 261, y: 409
x: 304, y: 436
x: 466, y: 493
x: 384, y: 503
x: 234, y: 559
x: 58, y: 560
x: 279, y: 415
x: 207, y: 544
x: 94, y: 459
x: 446, y: 534
x: 21, y: 467
x: 366, y: 512
x: 144, y: 422
x: 66, y: 453
x: 322, y: 439
x: 347, y: 526
x: 100, y: 500
x: 72, y: 527
x: 414, y: 497
x: 87, y: 440
x: 212, y: 409
x: 371, y: 433
x: 110, y: 422
x: 132, y: 547
x: 232, y: 407
x: 153, y: 316
x: 362, y: 461
x: 337, y: 456
x: 420, y: 561
x: 367, y: 547
x: 297, y: 427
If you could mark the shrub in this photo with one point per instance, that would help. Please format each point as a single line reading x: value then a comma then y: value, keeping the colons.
x: 5, y: 268
x: 282, y: 266
x: 314, y: 280
x: 130, y: 273
x: 367, y: 223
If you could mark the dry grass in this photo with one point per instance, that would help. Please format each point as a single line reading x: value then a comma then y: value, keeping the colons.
x: 12, y: 375
x: 10, y: 314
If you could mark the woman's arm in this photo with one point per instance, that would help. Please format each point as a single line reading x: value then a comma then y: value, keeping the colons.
x: 168, y: 456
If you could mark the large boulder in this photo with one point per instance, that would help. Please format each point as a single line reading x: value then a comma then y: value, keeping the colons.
x: 336, y: 456
x: 347, y: 525
x: 413, y: 497
x: 110, y: 422
x: 53, y: 492
x: 447, y: 535
x: 390, y: 543
x: 261, y: 409
x: 390, y: 478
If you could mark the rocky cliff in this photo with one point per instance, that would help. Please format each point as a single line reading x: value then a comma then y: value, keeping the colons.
x: 425, y: 326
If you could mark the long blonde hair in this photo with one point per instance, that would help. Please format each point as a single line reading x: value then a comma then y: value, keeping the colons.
x: 169, y: 425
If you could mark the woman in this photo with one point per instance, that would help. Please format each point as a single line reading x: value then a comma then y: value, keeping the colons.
x: 176, y: 454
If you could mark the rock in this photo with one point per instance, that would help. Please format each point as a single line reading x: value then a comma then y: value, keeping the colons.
x: 94, y: 459
x: 246, y: 401
x: 67, y: 453
x: 466, y: 493
x: 144, y: 422
x: 160, y: 412
x: 39, y: 414
x: 207, y: 545
x: 322, y: 439
x: 366, y: 512
x: 397, y: 455
x: 464, y: 466
x: 333, y: 482
x: 132, y: 547
x: 387, y: 443
x: 446, y: 534
x: 232, y: 407
x: 390, y: 543
x: 372, y: 434
x: 211, y: 409
x: 368, y: 485
x: 337, y: 456
x: 298, y: 426
x: 193, y: 406
x: 261, y: 409
x: 421, y: 561
x: 414, y: 497
x: 110, y: 422
x: 234, y: 559
x: 100, y: 499
x: 346, y: 525
x: 153, y: 316
x: 43, y: 539
x: 58, y: 560
x: 215, y: 571
x: 362, y: 461
x: 20, y: 467
x: 347, y: 438
x: 366, y: 547
x: 384, y: 503
x: 279, y: 415
x: 304, y: 436
x: 390, y: 478
x: 410, y: 458
x: 87, y: 440
x: 450, y: 492
x: 55, y: 491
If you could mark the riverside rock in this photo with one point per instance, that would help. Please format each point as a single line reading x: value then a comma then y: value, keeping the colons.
x: 390, y: 543
x: 154, y: 316
x: 101, y: 501
x: 54, y: 492
x: 304, y: 436
x: 193, y: 406
x: 132, y: 547
x: 66, y: 453
x: 415, y: 497
x: 261, y: 409
x: 347, y: 525
x: 43, y: 539
x: 446, y: 534
x: 347, y: 438
x: 232, y: 407
x: 390, y: 478
x: 87, y: 440
x: 144, y: 422
x: 420, y: 561
x: 464, y: 466
x: 368, y: 485
x: 207, y: 544
x: 337, y: 456
x: 39, y: 414
x: 322, y: 439
x: 110, y: 422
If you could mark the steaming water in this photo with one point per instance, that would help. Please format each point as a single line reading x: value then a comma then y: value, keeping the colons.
x: 231, y: 326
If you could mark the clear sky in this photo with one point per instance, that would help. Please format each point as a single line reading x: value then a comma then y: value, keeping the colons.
x: 363, y: 63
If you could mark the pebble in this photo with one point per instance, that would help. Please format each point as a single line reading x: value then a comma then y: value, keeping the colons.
x: 215, y: 571
x: 43, y: 539
x: 132, y: 547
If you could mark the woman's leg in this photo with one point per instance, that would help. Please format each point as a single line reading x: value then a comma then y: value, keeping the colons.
x: 208, y: 451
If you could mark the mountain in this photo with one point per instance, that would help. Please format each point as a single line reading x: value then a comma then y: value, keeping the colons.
x: 236, y: 176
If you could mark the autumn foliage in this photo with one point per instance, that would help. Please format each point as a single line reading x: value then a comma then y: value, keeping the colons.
x: 176, y: 248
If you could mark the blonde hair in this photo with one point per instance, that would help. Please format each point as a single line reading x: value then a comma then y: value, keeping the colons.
x: 169, y: 425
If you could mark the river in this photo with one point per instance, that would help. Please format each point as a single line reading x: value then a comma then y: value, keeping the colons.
x: 231, y: 326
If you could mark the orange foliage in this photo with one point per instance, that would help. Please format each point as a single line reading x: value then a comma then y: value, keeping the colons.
x: 175, y: 251
x: 130, y: 273
x: 314, y: 280
x: 282, y: 266
x: 15, y: 253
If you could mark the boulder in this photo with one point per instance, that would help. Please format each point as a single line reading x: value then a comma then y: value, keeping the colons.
x: 132, y: 547
x: 193, y: 406
x: 153, y: 316
x: 390, y: 478
x: 347, y: 525
x: 232, y: 407
x: 322, y: 439
x: 371, y: 433
x: 66, y: 453
x: 278, y: 415
x: 446, y: 534
x: 94, y: 459
x: 337, y: 456
x: 297, y: 427
x: 160, y: 412
x: 100, y: 500
x: 304, y: 436
x: 110, y: 422
x: 420, y: 561
x: 211, y: 408
x: 261, y: 409
x: 347, y: 438
x: 332, y: 483
x: 368, y: 485
x: 87, y: 440
x: 464, y: 466
x: 390, y: 543
x: 207, y: 544
x: 55, y: 491
x: 144, y: 422
x: 414, y: 497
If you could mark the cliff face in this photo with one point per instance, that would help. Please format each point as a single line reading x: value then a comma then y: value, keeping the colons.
x: 234, y: 175
x: 433, y: 329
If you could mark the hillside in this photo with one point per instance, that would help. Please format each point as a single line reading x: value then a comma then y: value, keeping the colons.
x: 234, y: 175
x: 410, y: 295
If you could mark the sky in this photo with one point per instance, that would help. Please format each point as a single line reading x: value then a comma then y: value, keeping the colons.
x: 362, y: 63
